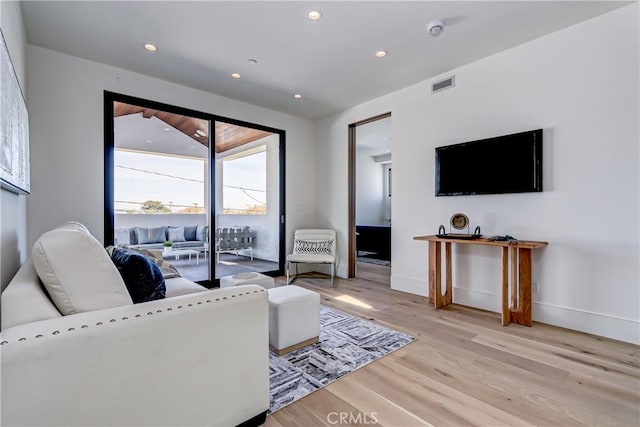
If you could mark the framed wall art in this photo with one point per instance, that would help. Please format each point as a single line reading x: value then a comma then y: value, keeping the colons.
x: 14, y: 128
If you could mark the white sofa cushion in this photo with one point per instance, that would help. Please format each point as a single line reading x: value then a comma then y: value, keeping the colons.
x: 181, y: 286
x: 74, y: 225
x: 77, y: 271
x: 311, y: 258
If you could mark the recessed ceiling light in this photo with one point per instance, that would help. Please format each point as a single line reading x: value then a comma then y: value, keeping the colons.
x: 150, y: 47
x: 298, y: 96
x: 200, y: 132
x: 381, y: 54
x: 167, y: 129
x: 148, y: 141
x: 314, y: 15
x: 236, y: 75
x: 388, y: 151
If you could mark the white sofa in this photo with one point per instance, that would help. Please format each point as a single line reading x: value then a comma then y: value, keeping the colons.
x: 197, y: 357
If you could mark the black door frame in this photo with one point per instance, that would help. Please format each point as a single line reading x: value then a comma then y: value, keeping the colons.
x: 108, y: 210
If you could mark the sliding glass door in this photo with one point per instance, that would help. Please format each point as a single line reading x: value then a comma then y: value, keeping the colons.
x: 160, y: 186
x: 249, y: 200
x: 204, y: 193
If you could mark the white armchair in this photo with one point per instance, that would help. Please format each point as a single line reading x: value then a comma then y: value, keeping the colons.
x: 313, y: 246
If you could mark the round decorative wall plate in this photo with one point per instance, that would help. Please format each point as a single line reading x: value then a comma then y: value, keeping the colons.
x: 459, y: 221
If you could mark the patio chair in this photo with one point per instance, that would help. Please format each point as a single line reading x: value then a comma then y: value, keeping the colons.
x: 313, y: 246
x: 233, y: 240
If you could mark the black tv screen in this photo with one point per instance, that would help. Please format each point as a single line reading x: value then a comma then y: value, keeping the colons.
x: 504, y: 164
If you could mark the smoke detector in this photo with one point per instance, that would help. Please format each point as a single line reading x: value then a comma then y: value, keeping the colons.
x: 435, y: 28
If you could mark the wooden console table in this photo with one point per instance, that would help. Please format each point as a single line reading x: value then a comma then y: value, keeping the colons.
x: 516, y: 253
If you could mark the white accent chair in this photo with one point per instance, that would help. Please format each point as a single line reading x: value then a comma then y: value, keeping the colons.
x: 304, y: 251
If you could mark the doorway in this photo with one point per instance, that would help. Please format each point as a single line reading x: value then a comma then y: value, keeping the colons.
x: 193, y: 188
x: 370, y: 184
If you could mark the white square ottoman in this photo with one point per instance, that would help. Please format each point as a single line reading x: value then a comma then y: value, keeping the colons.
x: 247, y: 279
x: 294, y: 318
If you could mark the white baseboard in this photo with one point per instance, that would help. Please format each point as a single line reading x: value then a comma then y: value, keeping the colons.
x: 601, y: 324
x: 412, y: 286
x: 605, y: 325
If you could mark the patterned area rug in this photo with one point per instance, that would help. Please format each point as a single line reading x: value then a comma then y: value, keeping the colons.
x: 346, y: 343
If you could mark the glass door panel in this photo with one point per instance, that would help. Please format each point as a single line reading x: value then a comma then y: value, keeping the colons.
x: 161, y: 190
x: 247, y: 233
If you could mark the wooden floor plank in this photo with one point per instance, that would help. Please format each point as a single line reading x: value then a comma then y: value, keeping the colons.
x: 503, y: 395
x: 427, y: 397
x: 622, y: 375
x: 374, y: 404
x: 464, y: 368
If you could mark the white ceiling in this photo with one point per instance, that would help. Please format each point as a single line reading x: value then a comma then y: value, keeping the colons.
x: 330, y: 61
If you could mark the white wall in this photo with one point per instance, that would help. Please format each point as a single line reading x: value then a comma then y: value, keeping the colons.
x: 66, y: 106
x: 13, y: 207
x: 369, y: 190
x: 581, y: 86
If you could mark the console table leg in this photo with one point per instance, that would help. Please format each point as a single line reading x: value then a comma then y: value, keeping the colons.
x: 435, y: 275
x: 522, y: 314
x: 434, y: 270
x: 506, y: 313
x: 448, y: 296
x: 514, y: 279
x: 433, y: 261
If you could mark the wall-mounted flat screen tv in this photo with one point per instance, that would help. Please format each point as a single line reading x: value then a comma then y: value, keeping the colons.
x: 504, y: 164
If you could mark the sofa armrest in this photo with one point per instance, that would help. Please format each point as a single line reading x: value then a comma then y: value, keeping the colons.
x: 197, y: 359
x: 24, y: 300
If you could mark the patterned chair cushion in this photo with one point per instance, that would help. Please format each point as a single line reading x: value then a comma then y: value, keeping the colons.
x: 321, y: 247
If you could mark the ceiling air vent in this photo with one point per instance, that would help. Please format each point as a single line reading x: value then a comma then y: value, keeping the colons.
x: 443, y: 84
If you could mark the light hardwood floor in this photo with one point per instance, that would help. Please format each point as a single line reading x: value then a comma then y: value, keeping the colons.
x: 466, y: 369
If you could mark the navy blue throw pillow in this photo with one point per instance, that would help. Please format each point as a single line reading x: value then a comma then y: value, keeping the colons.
x: 142, y: 276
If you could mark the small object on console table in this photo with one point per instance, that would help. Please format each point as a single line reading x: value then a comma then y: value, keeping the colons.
x: 463, y: 236
x: 505, y: 238
x: 459, y: 221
